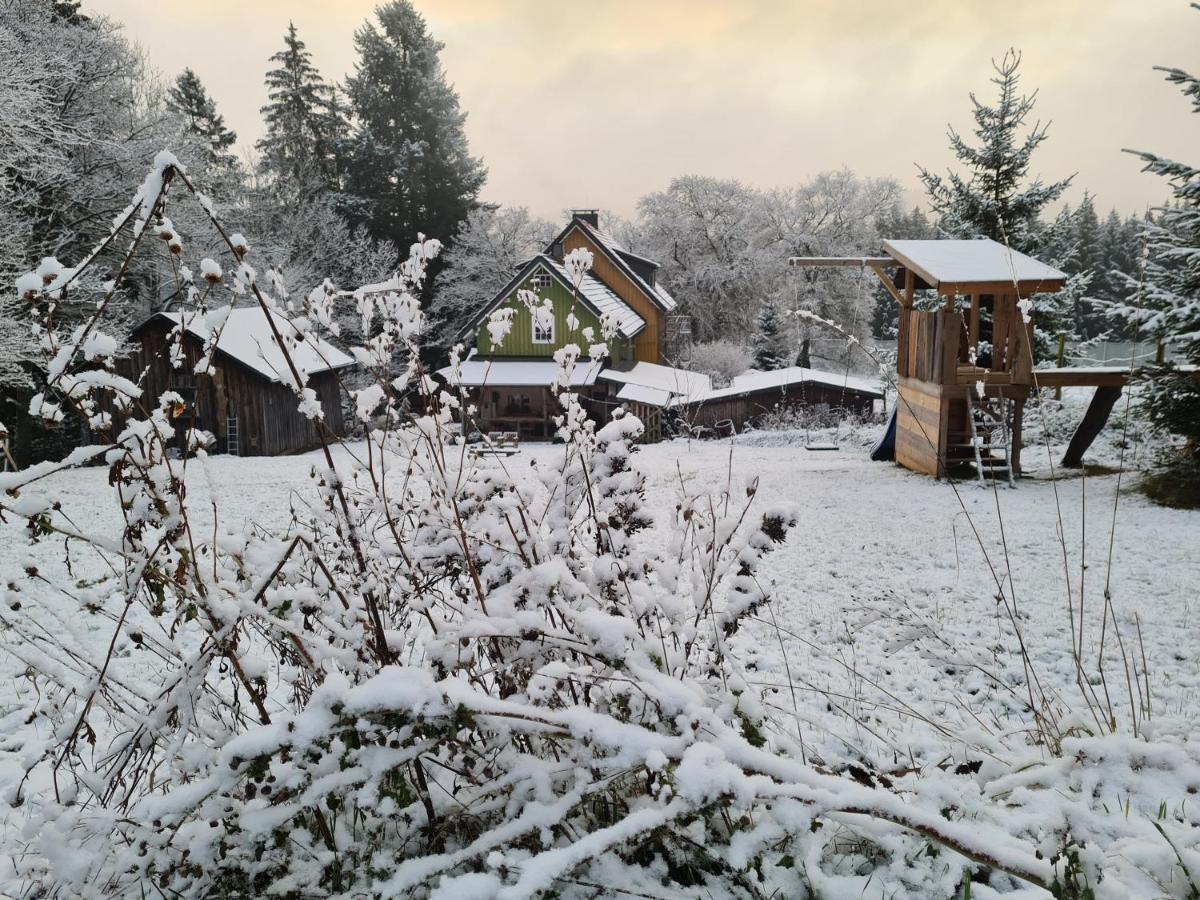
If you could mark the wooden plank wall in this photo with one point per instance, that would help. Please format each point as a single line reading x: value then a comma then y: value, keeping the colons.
x: 269, y: 422
x: 921, y: 418
x: 646, y: 345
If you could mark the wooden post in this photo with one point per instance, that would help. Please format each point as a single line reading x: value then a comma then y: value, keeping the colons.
x: 1062, y: 358
x: 1160, y: 354
x: 1018, y: 419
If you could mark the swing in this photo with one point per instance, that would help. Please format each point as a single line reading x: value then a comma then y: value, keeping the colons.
x: 809, y: 444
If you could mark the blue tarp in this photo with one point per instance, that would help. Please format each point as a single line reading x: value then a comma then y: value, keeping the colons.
x: 885, y: 450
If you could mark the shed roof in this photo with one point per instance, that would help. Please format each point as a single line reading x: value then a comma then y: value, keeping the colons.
x: 684, y: 385
x: 246, y: 337
x: 516, y: 373
x: 754, y: 382
x: 961, y: 264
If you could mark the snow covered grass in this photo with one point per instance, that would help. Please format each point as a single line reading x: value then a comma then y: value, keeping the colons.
x: 729, y: 669
x: 884, y: 651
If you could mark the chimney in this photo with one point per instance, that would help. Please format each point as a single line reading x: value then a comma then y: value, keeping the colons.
x: 591, y: 216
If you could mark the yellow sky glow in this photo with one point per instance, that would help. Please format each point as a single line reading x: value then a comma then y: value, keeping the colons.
x: 595, y: 104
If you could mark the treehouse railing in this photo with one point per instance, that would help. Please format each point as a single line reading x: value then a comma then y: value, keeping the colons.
x: 935, y: 346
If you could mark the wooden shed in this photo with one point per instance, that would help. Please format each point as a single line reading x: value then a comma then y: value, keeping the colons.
x: 754, y: 395
x: 246, y: 400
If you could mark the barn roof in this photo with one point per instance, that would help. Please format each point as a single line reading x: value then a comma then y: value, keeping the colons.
x: 246, y: 337
x: 962, y: 264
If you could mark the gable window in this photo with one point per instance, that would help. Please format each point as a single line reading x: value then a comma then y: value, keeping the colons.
x: 542, y: 281
x: 543, y: 328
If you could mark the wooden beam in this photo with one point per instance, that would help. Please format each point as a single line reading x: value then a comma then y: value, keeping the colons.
x: 889, y: 284
x: 1097, y: 414
x: 910, y: 288
x: 840, y: 262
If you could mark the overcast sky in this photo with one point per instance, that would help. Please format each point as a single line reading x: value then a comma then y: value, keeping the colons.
x: 595, y: 104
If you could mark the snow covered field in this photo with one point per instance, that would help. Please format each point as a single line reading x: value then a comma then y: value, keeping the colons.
x: 885, y: 647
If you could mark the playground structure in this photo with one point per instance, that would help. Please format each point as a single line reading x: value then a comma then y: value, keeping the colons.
x: 965, y: 370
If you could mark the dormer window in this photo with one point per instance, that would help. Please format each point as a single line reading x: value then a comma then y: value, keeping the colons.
x: 542, y: 281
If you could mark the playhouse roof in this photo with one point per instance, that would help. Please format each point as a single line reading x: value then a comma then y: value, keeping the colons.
x: 246, y: 337
x: 967, y: 266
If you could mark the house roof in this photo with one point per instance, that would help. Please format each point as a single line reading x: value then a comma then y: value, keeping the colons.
x: 246, y: 338
x: 966, y: 263
x: 595, y: 295
x: 777, y: 379
x: 680, y: 384
x: 516, y: 373
x: 620, y: 257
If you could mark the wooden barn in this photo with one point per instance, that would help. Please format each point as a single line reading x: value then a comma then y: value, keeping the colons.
x: 245, y: 401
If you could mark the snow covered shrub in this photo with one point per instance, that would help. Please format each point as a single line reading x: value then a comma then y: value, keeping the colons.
x: 437, y: 679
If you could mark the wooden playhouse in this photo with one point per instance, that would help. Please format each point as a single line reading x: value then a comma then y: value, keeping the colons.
x: 964, y: 356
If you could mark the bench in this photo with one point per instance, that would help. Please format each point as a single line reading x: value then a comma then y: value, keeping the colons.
x: 498, y: 443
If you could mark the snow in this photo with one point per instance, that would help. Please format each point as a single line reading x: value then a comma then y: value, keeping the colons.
x: 599, y: 298
x: 685, y: 385
x: 246, y: 337
x: 750, y: 382
x: 970, y: 262
x: 619, y: 255
x: 517, y: 373
x: 883, y: 645
x: 651, y: 396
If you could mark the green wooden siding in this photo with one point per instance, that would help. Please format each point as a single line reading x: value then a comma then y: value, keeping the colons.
x: 519, y: 341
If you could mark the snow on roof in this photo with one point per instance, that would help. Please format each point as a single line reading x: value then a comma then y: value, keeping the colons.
x: 516, y: 373
x: 246, y: 337
x: 617, y: 252
x: 752, y: 382
x: 969, y: 262
x: 681, y: 384
x: 637, y: 393
x: 599, y: 297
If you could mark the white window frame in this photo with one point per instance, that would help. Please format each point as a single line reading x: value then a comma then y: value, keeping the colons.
x: 541, y: 280
x: 534, y: 328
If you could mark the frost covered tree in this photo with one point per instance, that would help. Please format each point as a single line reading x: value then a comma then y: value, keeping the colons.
x: 303, y: 123
x: 993, y: 196
x: 80, y: 118
x: 489, y: 246
x: 770, y: 340
x: 722, y: 361
x: 724, y: 246
x: 1164, y: 304
x: 407, y: 166
x: 190, y: 100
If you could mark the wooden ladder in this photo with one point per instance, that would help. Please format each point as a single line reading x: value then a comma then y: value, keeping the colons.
x: 231, y: 436
x: 990, y: 431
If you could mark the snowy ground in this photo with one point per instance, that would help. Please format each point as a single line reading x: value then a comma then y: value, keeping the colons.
x: 888, y: 646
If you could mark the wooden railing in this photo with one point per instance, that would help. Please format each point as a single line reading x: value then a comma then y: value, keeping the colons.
x: 928, y: 348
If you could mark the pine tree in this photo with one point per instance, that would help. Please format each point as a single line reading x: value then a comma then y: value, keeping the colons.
x: 768, y: 344
x: 990, y: 197
x: 1166, y: 306
x: 189, y: 99
x: 302, y: 123
x: 408, y: 168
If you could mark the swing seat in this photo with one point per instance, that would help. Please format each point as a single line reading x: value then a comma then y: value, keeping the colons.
x: 822, y: 447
